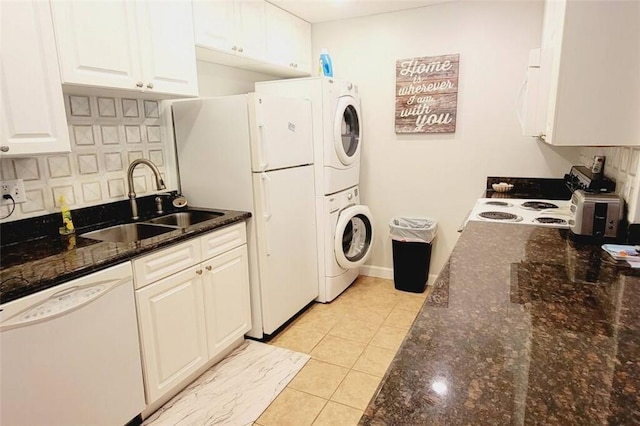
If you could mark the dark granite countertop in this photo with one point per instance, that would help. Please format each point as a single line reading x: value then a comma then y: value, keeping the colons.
x: 36, y: 264
x: 529, y: 188
x: 525, y: 325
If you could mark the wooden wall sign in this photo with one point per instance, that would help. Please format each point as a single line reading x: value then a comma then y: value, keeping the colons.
x: 427, y: 94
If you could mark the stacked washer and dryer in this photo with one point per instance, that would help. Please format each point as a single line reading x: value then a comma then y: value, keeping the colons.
x: 344, y: 226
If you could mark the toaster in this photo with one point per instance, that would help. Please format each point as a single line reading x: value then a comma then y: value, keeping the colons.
x: 595, y: 214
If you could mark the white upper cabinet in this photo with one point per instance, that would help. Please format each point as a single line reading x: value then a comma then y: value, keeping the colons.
x: 288, y: 40
x: 214, y: 24
x: 132, y: 45
x: 253, y: 35
x: 32, y: 120
x: 97, y: 43
x: 167, y: 47
x: 230, y: 27
x: 302, y: 35
x: 592, y: 85
x: 250, y: 28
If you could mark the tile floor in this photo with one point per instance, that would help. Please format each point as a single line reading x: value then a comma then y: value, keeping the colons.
x: 352, y: 341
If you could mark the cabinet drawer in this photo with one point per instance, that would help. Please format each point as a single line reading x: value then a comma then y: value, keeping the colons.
x: 165, y: 262
x: 223, y: 240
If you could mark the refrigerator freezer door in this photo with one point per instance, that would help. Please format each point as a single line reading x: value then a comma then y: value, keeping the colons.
x: 280, y: 132
x: 213, y: 152
x: 287, y: 252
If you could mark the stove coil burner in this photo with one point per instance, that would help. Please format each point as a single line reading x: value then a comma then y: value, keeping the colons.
x: 502, y: 216
x: 538, y: 205
x: 498, y: 203
x: 551, y: 220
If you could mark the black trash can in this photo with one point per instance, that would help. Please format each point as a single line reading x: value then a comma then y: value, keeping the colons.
x: 412, y: 243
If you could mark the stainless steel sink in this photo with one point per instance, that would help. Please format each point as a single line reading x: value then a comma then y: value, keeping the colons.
x: 185, y: 219
x: 128, y: 232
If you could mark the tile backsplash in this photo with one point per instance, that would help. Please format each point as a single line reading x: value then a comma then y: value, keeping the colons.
x: 106, y: 133
x: 623, y: 166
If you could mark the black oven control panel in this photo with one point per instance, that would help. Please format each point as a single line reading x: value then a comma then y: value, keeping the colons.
x: 581, y: 177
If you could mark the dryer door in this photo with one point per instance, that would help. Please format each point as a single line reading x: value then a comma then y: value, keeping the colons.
x: 353, y: 237
x: 347, y: 130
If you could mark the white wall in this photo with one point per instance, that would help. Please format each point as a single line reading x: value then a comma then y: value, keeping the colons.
x: 220, y: 80
x: 441, y: 176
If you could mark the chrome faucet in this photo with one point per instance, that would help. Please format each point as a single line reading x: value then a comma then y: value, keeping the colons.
x: 132, y: 195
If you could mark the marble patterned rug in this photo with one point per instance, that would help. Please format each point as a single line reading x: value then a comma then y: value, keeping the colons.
x: 236, y: 390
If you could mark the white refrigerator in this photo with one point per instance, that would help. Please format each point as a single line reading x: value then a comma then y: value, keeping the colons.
x: 255, y: 153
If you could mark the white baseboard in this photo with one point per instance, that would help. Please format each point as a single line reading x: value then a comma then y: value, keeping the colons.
x: 376, y: 271
x: 432, y: 279
x: 386, y: 273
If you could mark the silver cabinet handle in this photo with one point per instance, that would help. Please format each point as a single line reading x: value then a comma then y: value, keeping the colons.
x: 150, y: 86
x: 139, y: 84
x: 208, y: 268
x: 4, y: 148
x: 199, y: 272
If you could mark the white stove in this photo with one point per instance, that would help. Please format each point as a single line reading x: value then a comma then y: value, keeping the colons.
x: 549, y: 213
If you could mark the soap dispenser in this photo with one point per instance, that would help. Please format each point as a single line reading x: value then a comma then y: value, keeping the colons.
x: 326, y: 68
x: 67, y: 224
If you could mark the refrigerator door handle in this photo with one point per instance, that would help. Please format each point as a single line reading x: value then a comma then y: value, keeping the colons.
x: 266, y: 210
x: 263, y: 154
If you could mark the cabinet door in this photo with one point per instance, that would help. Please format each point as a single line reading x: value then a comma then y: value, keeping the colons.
x: 288, y: 40
x: 226, y: 298
x: 172, y: 330
x: 250, y: 29
x: 167, y: 48
x: 280, y: 45
x: 214, y: 24
x: 97, y: 43
x: 302, y: 50
x: 33, y: 118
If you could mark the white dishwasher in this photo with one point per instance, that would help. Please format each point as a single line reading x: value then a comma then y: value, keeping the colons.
x: 70, y: 355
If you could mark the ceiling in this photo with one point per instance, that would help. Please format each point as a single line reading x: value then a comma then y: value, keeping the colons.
x: 330, y: 10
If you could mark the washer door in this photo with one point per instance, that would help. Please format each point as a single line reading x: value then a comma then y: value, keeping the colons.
x: 353, y: 237
x: 346, y: 131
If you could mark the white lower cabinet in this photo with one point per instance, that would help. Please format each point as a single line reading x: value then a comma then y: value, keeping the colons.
x: 172, y: 329
x: 226, y: 293
x: 189, y: 317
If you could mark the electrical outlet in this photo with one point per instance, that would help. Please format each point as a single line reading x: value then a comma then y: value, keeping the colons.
x: 15, y: 188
